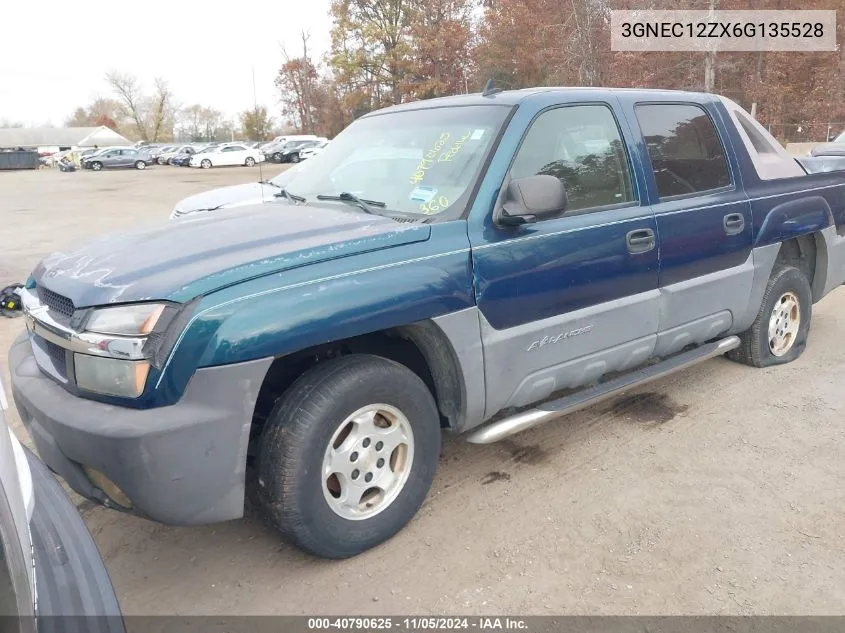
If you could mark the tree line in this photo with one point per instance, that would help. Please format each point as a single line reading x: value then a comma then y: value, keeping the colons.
x: 385, y: 52
x: 155, y: 115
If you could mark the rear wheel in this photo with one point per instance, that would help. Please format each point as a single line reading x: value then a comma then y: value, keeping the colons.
x: 250, y: 161
x: 294, y: 158
x: 205, y: 163
x: 779, y: 333
x: 348, y: 455
x: 140, y: 164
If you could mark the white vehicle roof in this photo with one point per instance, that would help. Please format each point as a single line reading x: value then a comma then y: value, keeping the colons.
x: 296, y: 137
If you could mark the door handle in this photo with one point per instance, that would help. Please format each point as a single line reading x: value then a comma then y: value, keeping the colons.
x: 734, y: 223
x: 640, y: 241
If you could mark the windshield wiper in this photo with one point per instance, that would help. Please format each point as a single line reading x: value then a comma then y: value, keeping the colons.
x: 287, y: 195
x: 364, y: 205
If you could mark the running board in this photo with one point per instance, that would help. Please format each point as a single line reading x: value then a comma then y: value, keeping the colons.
x: 506, y: 427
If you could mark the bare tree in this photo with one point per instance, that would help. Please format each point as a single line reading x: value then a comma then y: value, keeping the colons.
x: 162, y: 110
x: 128, y: 92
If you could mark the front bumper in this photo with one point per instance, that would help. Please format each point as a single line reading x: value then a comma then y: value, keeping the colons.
x: 183, y: 464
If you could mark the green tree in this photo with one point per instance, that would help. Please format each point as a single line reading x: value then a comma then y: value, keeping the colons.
x: 256, y: 124
x: 371, y: 47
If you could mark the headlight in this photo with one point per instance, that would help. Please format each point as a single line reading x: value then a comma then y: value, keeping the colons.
x: 110, y: 376
x: 130, y: 320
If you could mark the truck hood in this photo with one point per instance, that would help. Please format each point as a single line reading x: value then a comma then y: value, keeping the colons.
x: 195, y: 256
x: 236, y: 195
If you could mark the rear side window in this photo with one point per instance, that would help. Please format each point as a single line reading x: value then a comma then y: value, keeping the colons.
x: 684, y: 147
x: 581, y: 146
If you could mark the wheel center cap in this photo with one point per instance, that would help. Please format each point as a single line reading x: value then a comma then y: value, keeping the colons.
x: 366, y: 459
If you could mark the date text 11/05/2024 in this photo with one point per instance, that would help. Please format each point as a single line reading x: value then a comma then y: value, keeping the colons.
x: 429, y: 623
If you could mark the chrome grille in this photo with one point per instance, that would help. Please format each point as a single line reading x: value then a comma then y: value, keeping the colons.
x: 59, y: 357
x: 51, y: 358
x: 55, y: 302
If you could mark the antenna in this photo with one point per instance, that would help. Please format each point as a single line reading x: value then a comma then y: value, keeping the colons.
x: 490, y: 89
x: 255, y: 114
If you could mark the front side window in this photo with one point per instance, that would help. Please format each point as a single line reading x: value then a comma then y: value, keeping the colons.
x: 581, y: 146
x: 684, y: 147
x: 417, y: 163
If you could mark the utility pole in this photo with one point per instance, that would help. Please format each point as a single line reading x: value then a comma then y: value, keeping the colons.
x: 710, y: 55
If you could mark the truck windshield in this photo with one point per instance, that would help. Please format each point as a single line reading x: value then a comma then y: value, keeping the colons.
x: 417, y: 162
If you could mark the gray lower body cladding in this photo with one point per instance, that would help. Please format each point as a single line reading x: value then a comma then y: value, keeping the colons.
x: 182, y: 465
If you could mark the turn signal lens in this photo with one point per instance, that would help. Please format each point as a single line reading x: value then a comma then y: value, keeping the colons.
x: 109, y: 487
x: 110, y: 376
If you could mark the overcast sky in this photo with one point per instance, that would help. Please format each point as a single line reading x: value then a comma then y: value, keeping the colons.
x: 54, y: 55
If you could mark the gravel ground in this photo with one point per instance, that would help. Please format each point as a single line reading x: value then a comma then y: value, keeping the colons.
x: 718, y: 490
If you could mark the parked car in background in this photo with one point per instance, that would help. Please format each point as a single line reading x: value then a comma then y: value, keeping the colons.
x: 281, y: 152
x: 181, y: 160
x: 50, y: 568
x: 118, y: 157
x: 309, y: 152
x: 155, y: 150
x: 836, y: 147
x: 226, y: 155
x: 291, y: 152
x: 285, y: 138
x: 236, y: 195
x: 183, y: 153
x: 169, y: 152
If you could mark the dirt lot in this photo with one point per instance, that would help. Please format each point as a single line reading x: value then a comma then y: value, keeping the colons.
x: 716, y: 491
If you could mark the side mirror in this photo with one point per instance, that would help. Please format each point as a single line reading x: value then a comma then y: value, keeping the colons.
x: 532, y: 199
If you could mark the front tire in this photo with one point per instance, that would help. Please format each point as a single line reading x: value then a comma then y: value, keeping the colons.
x: 348, y: 454
x: 140, y: 165
x: 250, y: 161
x: 205, y: 164
x: 96, y: 166
x: 779, y: 333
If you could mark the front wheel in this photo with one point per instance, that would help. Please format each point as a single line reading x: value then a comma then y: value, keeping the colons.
x: 779, y: 333
x: 96, y: 166
x: 140, y: 164
x: 348, y: 455
x: 205, y: 164
x: 250, y: 161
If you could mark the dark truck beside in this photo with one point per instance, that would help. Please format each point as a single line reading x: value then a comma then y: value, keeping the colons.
x: 480, y: 264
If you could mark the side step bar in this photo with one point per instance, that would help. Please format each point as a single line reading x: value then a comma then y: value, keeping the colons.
x: 506, y: 427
